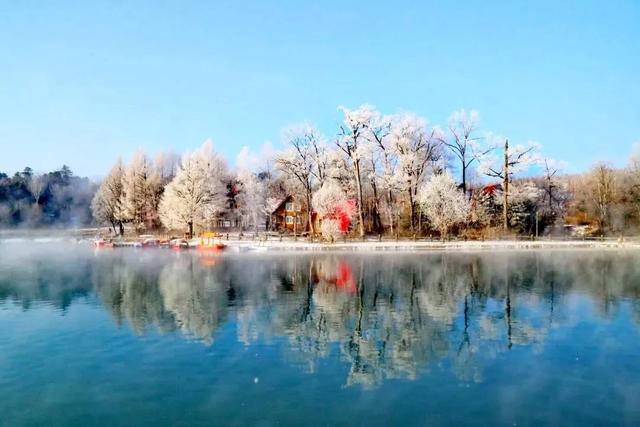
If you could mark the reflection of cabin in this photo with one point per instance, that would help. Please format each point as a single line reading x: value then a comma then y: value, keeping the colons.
x: 289, y: 216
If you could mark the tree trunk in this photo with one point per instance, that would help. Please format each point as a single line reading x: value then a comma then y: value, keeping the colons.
x: 505, y: 189
x: 359, y: 189
x: 464, y: 179
x: 191, y: 230
x: 412, y: 211
x: 121, y: 226
x: 310, y: 218
x: 377, y: 222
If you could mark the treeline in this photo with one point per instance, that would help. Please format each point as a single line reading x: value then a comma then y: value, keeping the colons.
x: 378, y: 174
x: 185, y: 194
x: 374, y: 174
x: 55, y: 198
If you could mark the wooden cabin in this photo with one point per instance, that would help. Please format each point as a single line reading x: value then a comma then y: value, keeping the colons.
x: 290, y: 215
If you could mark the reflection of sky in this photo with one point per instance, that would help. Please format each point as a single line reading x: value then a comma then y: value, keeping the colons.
x: 257, y: 327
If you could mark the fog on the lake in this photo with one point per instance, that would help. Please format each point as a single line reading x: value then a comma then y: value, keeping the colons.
x: 386, y: 315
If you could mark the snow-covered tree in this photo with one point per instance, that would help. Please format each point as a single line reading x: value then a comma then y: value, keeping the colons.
x: 387, y: 180
x: 353, y: 140
x: 415, y: 147
x: 328, y: 197
x: 443, y: 203
x: 335, y: 209
x: 304, y: 161
x: 464, y: 142
x: 106, y: 205
x: 514, y: 160
x: 376, y: 160
x: 252, y: 198
x: 330, y: 229
x: 197, y: 192
x: 140, y: 192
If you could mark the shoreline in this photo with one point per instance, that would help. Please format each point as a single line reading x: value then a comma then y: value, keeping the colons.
x: 289, y: 244
x: 411, y: 246
x: 244, y: 246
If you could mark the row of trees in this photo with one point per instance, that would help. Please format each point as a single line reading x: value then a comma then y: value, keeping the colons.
x: 377, y: 174
x: 182, y: 194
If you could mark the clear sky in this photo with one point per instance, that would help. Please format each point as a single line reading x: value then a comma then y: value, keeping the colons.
x: 84, y: 82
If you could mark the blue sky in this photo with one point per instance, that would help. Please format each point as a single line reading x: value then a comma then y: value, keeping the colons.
x: 84, y: 82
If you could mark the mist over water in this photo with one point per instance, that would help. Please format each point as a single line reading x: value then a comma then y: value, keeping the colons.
x: 156, y: 337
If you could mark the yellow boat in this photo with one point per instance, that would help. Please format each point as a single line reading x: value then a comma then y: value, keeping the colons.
x: 211, y: 241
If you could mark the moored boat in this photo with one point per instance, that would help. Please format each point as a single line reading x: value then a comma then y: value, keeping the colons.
x: 103, y: 243
x: 178, y: 244
x: 210, y: 241
x: 148, y: 241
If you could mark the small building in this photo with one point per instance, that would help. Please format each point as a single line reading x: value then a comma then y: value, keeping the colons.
x: 290, y: 216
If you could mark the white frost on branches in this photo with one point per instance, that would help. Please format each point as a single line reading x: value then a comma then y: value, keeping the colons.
x: 520, y: 158
x: 106, y: 205
x: 443, y: 203
x: 324, y: 202
x: 252, y: 199
x: 327, y: 198
x: 141, y: 185
x: 197, y: 192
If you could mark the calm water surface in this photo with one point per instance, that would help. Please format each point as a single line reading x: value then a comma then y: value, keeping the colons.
x: 158, y: 338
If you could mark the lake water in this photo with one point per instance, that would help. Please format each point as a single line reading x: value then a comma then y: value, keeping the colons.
x: 155, y: 337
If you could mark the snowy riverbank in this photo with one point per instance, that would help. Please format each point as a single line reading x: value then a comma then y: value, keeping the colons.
x: 409, y: 245
x: 289, y: 244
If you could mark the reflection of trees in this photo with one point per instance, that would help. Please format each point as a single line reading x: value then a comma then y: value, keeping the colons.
x: 384, y: 316
x: 128, y: 287
x: 29, y: 275
x: 195, y: 296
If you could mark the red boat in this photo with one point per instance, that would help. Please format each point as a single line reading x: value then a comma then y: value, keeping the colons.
x: 103, y: 244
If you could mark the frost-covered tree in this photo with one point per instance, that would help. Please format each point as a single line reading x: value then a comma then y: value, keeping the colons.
x: 328, y: 197
x: 353, y: 140
x: 376, y: 158
x: 335, y: 209
x: 140, y: 192
x: 416, y: 148
x: 304, y: 161
x: 464, y: 142
x: 388, y: 179
x: 443, y: 203
x: 514, y: 160
x: 106, y: 205
x: 197, y: 192
x: 252, y: 198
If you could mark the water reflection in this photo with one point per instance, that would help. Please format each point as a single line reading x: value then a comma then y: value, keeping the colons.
x: 385, y: 316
